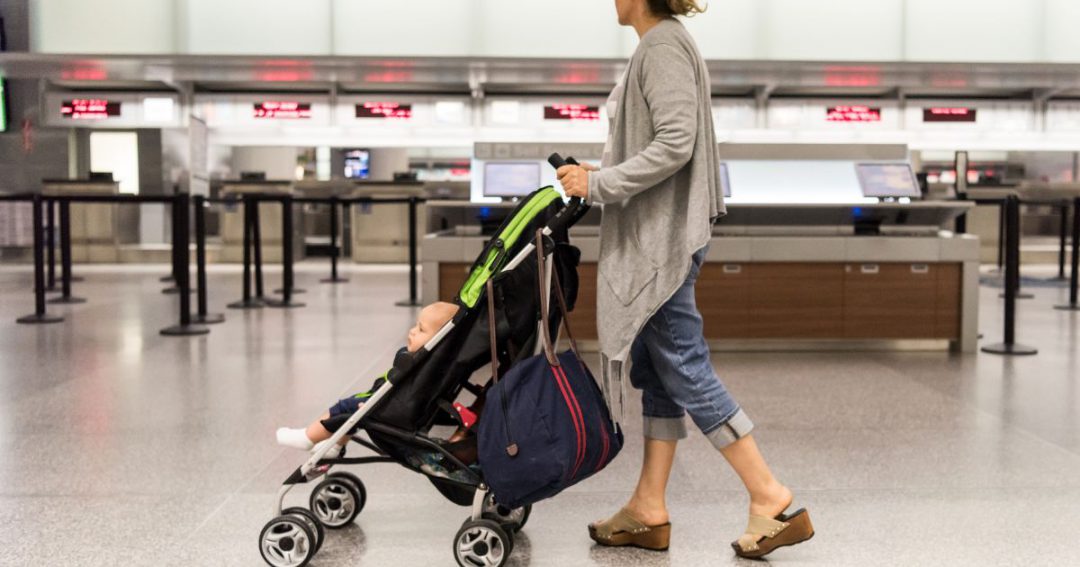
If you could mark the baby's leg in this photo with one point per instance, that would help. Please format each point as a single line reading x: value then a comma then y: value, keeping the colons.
x: 316, y: 432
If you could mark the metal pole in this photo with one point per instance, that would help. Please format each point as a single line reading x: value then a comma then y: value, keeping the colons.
x: 176, y: 236
x: 39, y: 315
x: 247, y: 302
x: 181, y: 210
x: 286, y: 256
x: 1001, y: 236
x: 1063, y: 237
x: 256, y: 242
x: 1074, y: 279
x: 65, y: 256
x: 1012, y: 282
x: 50, y: 235
x: 412, y: 301
x: 200, y: 264
x: 334, y: 243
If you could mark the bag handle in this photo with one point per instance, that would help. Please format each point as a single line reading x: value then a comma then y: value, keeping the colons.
x: 545, y: 335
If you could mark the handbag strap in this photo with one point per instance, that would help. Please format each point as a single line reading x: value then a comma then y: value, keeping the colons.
x: 564, y: 311
x: 545, y: 334
x: 491, y: 331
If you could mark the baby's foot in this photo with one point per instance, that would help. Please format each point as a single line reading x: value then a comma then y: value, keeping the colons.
x: 295, y: 438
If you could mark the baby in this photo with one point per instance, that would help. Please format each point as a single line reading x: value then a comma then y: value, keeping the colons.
x: 431, y: 319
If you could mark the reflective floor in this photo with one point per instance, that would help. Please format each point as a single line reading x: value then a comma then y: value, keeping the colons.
x: 122, y: 447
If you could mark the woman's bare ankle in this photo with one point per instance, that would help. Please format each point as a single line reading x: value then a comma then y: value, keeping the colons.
x: 649, y: 513
x: 771, y: 501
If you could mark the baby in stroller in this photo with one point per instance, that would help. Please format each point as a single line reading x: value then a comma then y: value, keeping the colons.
x: 310, y: 438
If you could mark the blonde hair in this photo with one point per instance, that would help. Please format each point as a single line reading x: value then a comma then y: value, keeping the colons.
x: 675, y: 7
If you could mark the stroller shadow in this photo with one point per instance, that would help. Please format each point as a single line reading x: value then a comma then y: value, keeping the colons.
x: 345, y: 546
x: 522, y: 555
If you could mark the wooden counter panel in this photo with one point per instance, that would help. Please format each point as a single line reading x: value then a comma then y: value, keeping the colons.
x: 890, y: 301
x: 795, y: 301
x: 723, y: 297
x: 583, y: 318
x: 949, y: 292
x: 451, y: 277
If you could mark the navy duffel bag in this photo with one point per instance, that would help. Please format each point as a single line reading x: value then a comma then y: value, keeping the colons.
x: 545, y: 425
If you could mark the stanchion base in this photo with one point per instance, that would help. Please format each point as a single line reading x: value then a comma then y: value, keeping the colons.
x: 208, y: 319
x: 1067, y: 307
x: 166, y: 279
x: 184, y: 331
x: 1013, y: 349
x: 1019, y: 296
x: 281, y: 304
x: 247, y: 304
x: 66, y: 300
x: 281, y: 290
x: 78, y: 279
x: 334, y: 280
x: 175, y: 290
x: 408, y: 303
x: 36, y: 319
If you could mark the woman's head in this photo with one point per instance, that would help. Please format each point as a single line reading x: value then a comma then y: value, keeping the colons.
x: 628, y: 9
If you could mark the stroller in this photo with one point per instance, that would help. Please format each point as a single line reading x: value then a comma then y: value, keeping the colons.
x: 399, y: 415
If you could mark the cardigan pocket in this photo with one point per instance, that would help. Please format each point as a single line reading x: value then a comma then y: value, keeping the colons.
x: 628, y: 285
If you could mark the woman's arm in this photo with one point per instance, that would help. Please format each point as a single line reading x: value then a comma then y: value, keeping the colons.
x: 671, y: 92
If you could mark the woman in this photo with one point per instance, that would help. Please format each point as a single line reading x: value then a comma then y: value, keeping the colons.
x: 660, y: 193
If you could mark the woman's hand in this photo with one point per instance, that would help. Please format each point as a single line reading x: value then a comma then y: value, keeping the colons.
x: 575, y: 179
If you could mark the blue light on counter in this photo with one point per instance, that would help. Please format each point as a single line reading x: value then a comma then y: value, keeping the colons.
x: 857, y: 211
x: 485, y: 212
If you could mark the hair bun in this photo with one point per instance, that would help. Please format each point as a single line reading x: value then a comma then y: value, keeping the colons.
x: 675, y: 7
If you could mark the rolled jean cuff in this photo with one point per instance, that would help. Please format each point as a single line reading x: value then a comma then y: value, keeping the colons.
x: 664, y: 428
x: 735, y: 428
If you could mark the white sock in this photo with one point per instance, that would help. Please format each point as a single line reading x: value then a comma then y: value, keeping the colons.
x: 332, y: 453
x: 295, y: 438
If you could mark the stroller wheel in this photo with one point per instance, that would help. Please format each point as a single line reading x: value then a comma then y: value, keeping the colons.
x: 336, y: 502
x: 287, y: 541
x: 512, y: 520
x: 482, y: 543
x: 311, y: 521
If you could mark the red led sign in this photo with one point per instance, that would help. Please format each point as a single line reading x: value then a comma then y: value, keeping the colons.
x: 282, y: 109
x: 945, y: 114
x: 572, y: 112
x: 853, y: 114
x: 384, y: 110
x: 89, y: 109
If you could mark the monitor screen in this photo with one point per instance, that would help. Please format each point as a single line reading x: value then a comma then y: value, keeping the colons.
x: 725, y: 180
x: 504, y: 179
x: 887, y: 180
x: 357, y: 164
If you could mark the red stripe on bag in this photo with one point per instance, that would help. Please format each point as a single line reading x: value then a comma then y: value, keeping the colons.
x: 573, y: 417
x: 603, y: 454
x: 580, y: 419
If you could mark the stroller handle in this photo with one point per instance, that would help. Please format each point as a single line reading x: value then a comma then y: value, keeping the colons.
x: 577, y: 207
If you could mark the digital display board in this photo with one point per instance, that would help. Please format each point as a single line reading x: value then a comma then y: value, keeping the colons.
x: 581, y: 112
x: 887, y: 180
x: 89, y: 109
x: 384, y: 110
x: 853, y: 113
x: 950, y: 114
x: 289, y: 110
x: 357, y: 164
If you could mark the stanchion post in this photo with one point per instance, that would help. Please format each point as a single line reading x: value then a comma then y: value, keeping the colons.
x: 1063, y: 237
x: 247, y: 302
x: 180, y: 214
x: 175, y: 288
x: 1001, y: 236
x: 1020, y: 293
x: 286, y: 256
x: 334, y: 204
x: 1074, y: 278
x: 1012, y: 282
x: 202, y: 316
x: 413, y: 300
x: 39, y: 316
x: 65, y: 256
x: 50, y: 239
x: 256, y: 242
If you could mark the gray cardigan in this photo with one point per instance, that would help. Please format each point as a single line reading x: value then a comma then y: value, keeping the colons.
x: 659, y: 189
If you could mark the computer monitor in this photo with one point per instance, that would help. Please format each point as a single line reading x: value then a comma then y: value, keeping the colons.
x: 725, y: 180
x: 357, y: 164
x: 511, y: 179
x: 887, y: 180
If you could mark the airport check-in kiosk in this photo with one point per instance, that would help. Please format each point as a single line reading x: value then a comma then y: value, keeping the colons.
x: 380, y: 232
x: 876, y: 272
x: 94, y: 226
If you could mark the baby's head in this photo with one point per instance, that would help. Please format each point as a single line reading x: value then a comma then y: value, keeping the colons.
x: 431, y: 319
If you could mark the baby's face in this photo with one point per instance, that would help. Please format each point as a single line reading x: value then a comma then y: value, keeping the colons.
x: 431, y: 319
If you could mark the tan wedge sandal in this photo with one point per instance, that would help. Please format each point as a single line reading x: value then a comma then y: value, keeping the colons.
x: 765, y: 535
x: 622, y: 529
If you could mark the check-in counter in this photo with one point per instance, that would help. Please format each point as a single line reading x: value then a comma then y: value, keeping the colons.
x: 380, y: 232
x: 809, y: 281
x: 270, y: 216
x: 94, y: 226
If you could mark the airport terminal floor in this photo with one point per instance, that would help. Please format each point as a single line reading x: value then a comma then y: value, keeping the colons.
x: 122, y: 447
